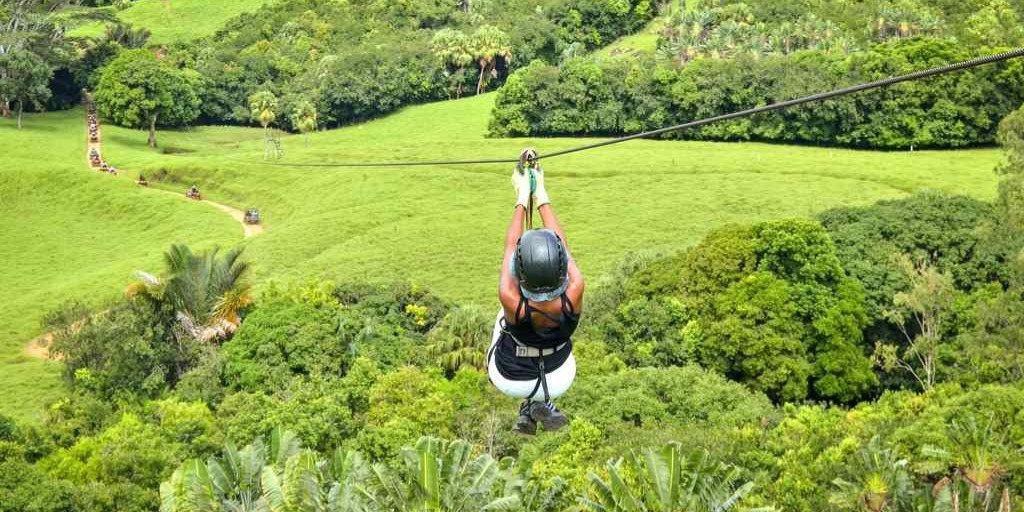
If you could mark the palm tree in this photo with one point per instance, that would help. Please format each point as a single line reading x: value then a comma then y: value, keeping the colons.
x: 207, y: 293
x: 878, y: 481
x: 440, y: 475
x: 976, y: 456
x: 489, y: 44
x: 461, y: 339
x: 304, y: 118
x: 452, y: 49
x: 275, y: 477
x: 263, y: 108
x: 665, y: 480
x: 125, y: 35
x: 544, y: 499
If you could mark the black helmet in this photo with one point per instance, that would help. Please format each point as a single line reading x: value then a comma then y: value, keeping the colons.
x: 541, y: 265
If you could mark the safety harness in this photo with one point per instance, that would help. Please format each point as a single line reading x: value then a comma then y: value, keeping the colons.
x: 535, y: 354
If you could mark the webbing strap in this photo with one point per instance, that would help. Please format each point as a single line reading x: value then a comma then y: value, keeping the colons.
x: 542, y: 381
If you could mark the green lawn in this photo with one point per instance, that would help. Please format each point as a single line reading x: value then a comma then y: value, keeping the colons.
x: 442, y: 227
x: 70, y: 233
x: 175, y: 21
x: 67, y: 232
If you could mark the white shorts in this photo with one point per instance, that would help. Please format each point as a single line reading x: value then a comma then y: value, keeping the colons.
x: 558, y: 380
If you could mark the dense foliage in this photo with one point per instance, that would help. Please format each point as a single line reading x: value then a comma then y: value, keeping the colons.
x: 871, y: 359
x: 769, y: 305
x: 680, y: 361
x: 358, y: 60
x: 589, y: 96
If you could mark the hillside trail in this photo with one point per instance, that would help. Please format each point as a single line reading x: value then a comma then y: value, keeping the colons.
x: 38, y: 348
x: 248, y: 230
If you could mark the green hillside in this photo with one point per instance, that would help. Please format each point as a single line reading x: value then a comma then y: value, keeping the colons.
x: 68, y: 233
x: 176, y: 21
x: 442, y: 226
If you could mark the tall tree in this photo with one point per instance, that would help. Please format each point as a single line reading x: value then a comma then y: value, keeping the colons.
x: 29, y: 25
x: 489, y: 44
x: 439, y: 476
x: 263, y: 108
x: 461, y: 339
x: 920, y: 314
x: 139, y: 90
x: 24, y: 78
x: 304, y: 118
x: 876, y: 481
x: 452, y: 49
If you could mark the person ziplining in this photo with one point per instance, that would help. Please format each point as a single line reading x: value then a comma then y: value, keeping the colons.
x: 541, y: 293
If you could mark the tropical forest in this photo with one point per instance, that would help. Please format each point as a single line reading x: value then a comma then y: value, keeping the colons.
x: 304, y: 256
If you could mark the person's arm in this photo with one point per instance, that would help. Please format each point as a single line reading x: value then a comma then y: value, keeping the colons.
x: 576, y: 283
x: 508, y: 285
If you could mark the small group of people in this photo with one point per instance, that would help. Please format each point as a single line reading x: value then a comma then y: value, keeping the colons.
x: 96, y: 161
x: 109, y: 169
x: 94, y: 124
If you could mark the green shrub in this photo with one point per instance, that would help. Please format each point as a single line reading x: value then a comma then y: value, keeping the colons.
x: 767, y: 304
x: 281, y: 339
x: 125, y: 351
x: 26, y: 488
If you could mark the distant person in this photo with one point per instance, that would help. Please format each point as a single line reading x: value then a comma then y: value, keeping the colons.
x: 541, y: 293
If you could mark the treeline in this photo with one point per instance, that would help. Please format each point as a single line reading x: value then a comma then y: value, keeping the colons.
x: 610, y: 97
x: 349, y: 61
x: 357, y: 60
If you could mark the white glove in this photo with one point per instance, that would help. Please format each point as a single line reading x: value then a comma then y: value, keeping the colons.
x: 540, y: 195
x: 521, y: 184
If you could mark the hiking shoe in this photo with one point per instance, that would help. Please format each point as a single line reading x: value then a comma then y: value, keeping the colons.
x: 524, y: 423
x: 548, y: 415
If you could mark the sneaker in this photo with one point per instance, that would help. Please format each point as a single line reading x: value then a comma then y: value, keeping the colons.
x: 524, y: 423
x: 548, y: 415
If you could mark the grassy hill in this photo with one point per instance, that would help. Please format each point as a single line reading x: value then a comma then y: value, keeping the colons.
x: 442, y: 227
x: 177, y: 21
x: 71, y: 233
x: 68, y: 233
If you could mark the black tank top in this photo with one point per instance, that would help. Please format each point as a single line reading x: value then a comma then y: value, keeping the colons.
x: 513, y: 367
x: 543, y: 337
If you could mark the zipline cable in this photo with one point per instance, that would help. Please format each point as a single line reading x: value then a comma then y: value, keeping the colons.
x: 917, y: 75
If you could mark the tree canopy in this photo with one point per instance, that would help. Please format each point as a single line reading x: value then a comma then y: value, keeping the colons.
x: 140, y: 90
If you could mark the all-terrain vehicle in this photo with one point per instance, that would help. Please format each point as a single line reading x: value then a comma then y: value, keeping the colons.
x: 193, y: 193
x: 252, y: 216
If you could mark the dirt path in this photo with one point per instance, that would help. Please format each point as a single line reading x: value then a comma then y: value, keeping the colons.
x: 39, y: 347
x: 248, y: 230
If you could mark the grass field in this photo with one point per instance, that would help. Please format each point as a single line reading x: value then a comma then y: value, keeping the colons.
x: 175, y: 21
x: 442, y: 227
x: 68, y: 233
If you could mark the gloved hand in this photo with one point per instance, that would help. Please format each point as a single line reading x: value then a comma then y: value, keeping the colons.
x: 521, y: 184
x: 540, y: 194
